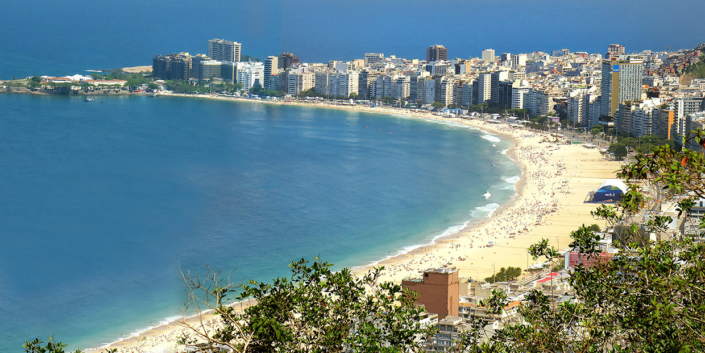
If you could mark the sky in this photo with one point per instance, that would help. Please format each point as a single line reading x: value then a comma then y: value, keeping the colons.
x: 65, y: 37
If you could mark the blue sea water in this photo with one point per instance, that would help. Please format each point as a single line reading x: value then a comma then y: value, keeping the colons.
x: 103, y: 203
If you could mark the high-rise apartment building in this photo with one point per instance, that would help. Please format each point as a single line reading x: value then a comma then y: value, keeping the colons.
x: 497, y: 77
x: 484, y: 89
x: 299, y: 81
x: 488, y: 55
x: 224, y: 50
x: 519, y: 60
x: 436, y: 52
x: 621, y: 81
x: 373, y: 58
x: 271, y: 67
x: 172, y: 67
x: 614, y: 50
x: 209, y: 69
x: 287, y: 60
x: 467, y: 93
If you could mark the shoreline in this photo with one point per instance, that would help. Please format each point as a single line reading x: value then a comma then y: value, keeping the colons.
x: 407, y: 263
x: 138, y: 338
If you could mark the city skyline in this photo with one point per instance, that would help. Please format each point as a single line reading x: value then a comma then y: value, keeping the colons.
x: 266, y: 31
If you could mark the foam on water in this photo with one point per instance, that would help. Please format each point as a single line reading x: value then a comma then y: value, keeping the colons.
x: 491, y: 138
x: 487, y: 195
x: 488, y: 209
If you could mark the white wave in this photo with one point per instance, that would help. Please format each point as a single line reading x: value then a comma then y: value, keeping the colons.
x: 505, y: 151
x: 491, y: 138
x: 487, y: 195
x: 488, y: 209
x: 512, y: 180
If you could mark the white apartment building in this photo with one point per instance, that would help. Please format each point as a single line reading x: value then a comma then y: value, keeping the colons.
x: 373, y: 58
x: 444, y: 90
x: 343, y: 83
x: 488, y: 55
x: 519, y: 95
x: 383, y: 87
x: 321, y: 82
x: 637, y: 117
x: 299, y: 81
x: 401, y: 87
x: 249, y: 74
x: 519, y: 60
x: 484, y: 90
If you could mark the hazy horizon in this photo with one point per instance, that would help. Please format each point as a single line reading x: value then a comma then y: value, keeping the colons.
x: 99, y: 34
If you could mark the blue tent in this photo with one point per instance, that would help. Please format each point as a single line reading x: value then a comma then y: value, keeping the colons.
x: 611, y: 190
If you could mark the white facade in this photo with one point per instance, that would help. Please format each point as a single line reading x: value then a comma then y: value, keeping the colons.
x: 250, y: 73
x: 484, y: 90
x: 373, y: 58
x: 488, y: 55
x: 401, y: 87
x: 299, y: 81
x: 519, y: 95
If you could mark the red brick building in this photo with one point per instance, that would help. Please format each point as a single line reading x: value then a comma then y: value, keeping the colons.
x: 438, y: 290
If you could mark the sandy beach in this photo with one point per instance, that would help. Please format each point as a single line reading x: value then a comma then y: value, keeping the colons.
x: 549, y: 203
x: 137, y: 69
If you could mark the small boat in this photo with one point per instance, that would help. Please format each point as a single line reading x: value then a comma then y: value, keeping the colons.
x: 89, y: 99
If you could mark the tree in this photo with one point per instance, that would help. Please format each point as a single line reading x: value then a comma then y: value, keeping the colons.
x: 389, y: 100
x: 595, y: 228
x: 353, y: 95
x: 314, y: 310
x: 597, y: 128
x: 437, y: 105
x: 508, y: 274
x: 620, y: 151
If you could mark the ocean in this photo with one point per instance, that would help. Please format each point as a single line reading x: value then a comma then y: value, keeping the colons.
x: 104, y: 203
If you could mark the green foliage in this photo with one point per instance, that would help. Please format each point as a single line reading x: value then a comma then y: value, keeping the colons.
x: 643, y: 144
x: 263, y: 92
x: 319, y: 310
x: 51, y: 346
x: 696, y: 70
x: 518, y: 112
x: 539, y: 120
x: 595, y: 228
x: 247, y: 58
x: 353, y: 95
x: 185, y: 87
x: 505, y: 275
x: 597, y: 128
x: 36, y: 79
x: 389, y: 100
x: 438, y: 105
